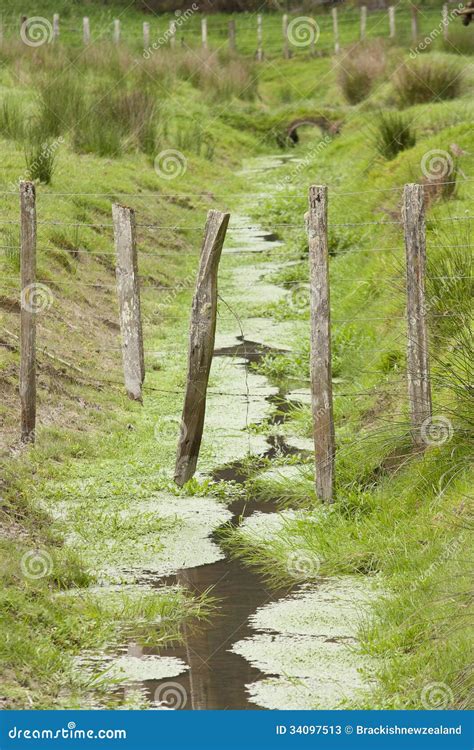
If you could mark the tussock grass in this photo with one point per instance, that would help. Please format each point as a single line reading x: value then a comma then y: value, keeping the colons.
x: 427, y: 79
x: 362, y: 66
x: 392, y: 133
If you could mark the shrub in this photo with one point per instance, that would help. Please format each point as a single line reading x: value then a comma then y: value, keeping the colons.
x: 362, y: 66
x: 392, y: 134
x: 426, y: 79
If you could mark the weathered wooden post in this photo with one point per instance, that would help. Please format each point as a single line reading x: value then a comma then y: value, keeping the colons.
x: 363, y: 21
x: 335, y: 28
x: 259, y: 37
x: 419, y: 386
x: 414, y: 23
x: 146, y: 34
x: 201, y: 346
x: 117, y: 30
x: 172, y: 34
x: 445, y: 21
x: 86, y: 30
x: 128, y: 289
x: 232, y: 36
x: 391, y: 21
x: 286, y: 45
x: 55, y: 26
x: 321, y: 370
x: 204, y: 32
x: 28, y: 311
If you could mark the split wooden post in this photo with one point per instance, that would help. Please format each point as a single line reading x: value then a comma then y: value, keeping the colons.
x: 414, y: 23
x: 172, y: 34
x: 146, y: 34
x: 419, y: 386
x: 86, y: 30
x: 204, y: 32
x: 391, y: 21
x: 335, y: 28
x: 28, y: 311
x: 259, y: 37
x: 55, y: 26
x: 232, y: 36
x: 128, y: 289
x: 201, y: 347
x: 321, y: 369
x: 117, y: 30
x: 363, y: 21
x: 286, y: 44
x: 445, y: 21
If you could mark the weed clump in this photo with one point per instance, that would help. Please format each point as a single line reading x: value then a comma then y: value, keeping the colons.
x: 361, y: 68
x: 392, y: 134
x: 427, y: 79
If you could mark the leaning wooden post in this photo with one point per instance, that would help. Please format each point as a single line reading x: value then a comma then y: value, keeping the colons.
x: 321, y: 370
x: 391, y: 21
x: 286, y: 45
x: 363, y: 21
x: 414, y: 23
x: 28, y: 311
x: 128, y: 289
x: 204, y: 32
x: 259, y: 37
x: 201, y: 347
x: 86, y: 31
x: 335, y: 28
x: 232, y: 34
x: 146, y: 34
x: 117, y: 31
x: 419, y: 386
x: 55, y: 26
x: 445, y: 21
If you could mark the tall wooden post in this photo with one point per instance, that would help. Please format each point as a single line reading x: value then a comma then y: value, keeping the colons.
x: 55, y: 26
x: 419, y: 386
x: 335, y: 28
x: 146, y: 34
x: 86, y: 30
x: 28, y: 311
x: 259, y: 37
x: 232, y: 36
x: 445, y: 21
x: 363, y: 22
x: 321, y: 371
x: 128, y: 289
x: 286, y: 44
x: 204, y: 32
x: 414, y: 23
x: 201, y: 346
x: 117, y: 30
x: 172, y: 34
x: 391, y: 21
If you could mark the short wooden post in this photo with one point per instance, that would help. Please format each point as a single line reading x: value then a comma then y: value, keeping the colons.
x: 286, y: 45
x: 56, y: 26
x: 321, y: 370
x: 232, y: 36
x: 28, y: 311
x: 259, y: 37
x: 201, y: 347
x: 363, y: 21
x: 335, y: 28
x: 419, y: 386
x: 146, y: 34
x: 414, y: 23
x: 128, y: 289
x: 445, y: 21
x: 172, y: 34
x: 86, y: 30
x: 391, y: 21
x: 204, y: 32
x: 117, y: 30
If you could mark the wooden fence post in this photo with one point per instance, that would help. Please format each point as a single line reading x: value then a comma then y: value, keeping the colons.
x: 391, y: 21
x: 201, y: 346
x: 232, y: 34
x: 335, y: 28
x: 28, y: 311
x: 117, y: 30
x: 414, y: 23
x: 445, y: 21
x: 128, y: 289
x: 363, y: 21
x: 55, y: 26
x: 86, y: 30
x: 204, y: 32
x: 146, y: 34
x: 419, y: 386
x: 321, y: 370
x: 286, y: 45
x: 259, y: 37
x: 172, y: 34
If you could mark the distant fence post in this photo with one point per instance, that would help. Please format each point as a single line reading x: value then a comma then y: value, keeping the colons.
x: 128, y: 289
x: 391, y: 21
x: 414, y: 23
x: 28, y: 311
x: 419, y: 386
x: 232, y: 42
x: 363, y: 21
x: 259, y: 37
x: 286, y: 45
x: 86, y: 30
x: 204, y: 32
x: 56, y: 26
x: 335, y: 29
x: 116, y: 30
x: 445, y: 21
x: 201, y: 347
x: 321, y: 369
x: 146, y: 34
x: 172, y: 33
